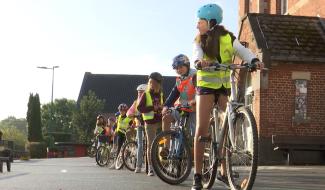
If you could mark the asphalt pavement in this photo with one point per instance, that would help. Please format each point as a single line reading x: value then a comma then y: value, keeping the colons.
x: 84, y: 174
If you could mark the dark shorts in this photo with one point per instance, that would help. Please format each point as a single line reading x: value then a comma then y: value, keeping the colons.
x: 216, y: 92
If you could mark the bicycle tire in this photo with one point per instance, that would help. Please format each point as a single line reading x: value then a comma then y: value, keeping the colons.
x: 91, y: 151
x: 157, y: 166
x: 130, y: 154
x: 245, y: 183
x: 102, y: 156
x: 111, y: 158
x: 210, y: 166
x: 119, y: 159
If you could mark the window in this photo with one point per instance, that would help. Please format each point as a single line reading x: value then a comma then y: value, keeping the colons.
x: 300, y: 114
x: 284, y: 6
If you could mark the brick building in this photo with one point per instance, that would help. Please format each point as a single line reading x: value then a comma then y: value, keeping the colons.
x: 289, y: 99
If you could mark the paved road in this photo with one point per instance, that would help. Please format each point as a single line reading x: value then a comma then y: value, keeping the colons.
x: 83, y: 174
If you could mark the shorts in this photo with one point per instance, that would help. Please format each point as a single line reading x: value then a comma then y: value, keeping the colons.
x: 206, y: 91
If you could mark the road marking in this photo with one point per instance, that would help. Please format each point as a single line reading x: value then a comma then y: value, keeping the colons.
x: 64, y: 171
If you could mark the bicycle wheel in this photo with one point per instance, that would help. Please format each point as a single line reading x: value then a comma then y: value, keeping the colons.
x: 129, y: 155
x: 91, y: 151
x: 242, y: 156
x: 102, y: 155
x: 119, y: 160
x: 111, y: 157
x: 210, y: 162
x: 210, y: 166
x: 175, y: 167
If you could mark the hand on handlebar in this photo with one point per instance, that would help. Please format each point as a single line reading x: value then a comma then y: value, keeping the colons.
x: 257, y: 65
x: 199, y: 64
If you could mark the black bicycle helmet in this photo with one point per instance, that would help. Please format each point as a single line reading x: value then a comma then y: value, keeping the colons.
x: 156, y: 76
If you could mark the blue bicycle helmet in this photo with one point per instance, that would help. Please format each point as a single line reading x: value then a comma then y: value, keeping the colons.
x: 210, y: 11
x: 180, y: 60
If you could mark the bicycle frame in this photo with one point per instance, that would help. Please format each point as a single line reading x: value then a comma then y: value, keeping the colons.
x: 176, y: 146
x: 232, y: 104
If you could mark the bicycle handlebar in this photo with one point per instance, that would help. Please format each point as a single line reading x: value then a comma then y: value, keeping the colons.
x: 223, y: 67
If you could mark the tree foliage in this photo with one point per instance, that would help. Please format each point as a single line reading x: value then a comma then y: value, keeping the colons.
x: 84, y: 119
x: 57, y: 117
x: 34, y: 119
x: 15, y: 130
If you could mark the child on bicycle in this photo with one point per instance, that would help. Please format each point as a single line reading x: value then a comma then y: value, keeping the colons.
x: 184, y: 93
x: 139, y: 124
x: 150, y: 105
x: 100, y: 124
x: 123, y: 124
x: 109, y: 131
x: 213, y: 44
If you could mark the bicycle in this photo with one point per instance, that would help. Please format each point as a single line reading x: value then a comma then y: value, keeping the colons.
x: 176, y: 166
x: 103, y: 152
x: 91, y: 150
x: 130, y: 151
x: 130, y: 155
x: 119, y: 163
x: 237, y: 137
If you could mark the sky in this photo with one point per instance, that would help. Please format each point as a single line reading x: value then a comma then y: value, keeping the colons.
x: 97, y: 36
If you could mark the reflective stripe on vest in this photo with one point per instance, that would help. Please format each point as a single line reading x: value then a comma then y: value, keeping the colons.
x: 149, y: 101
x: 122, y: 124
x: 215, y: 79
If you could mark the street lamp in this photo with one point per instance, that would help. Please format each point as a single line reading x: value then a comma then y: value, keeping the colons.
x: 52, y: 68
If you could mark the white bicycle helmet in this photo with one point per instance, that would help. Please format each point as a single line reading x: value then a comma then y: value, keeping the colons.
x: 142, y: 87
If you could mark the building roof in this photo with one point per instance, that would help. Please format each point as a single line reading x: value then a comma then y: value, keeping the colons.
x: 116, y: 89
x: 289, y: 38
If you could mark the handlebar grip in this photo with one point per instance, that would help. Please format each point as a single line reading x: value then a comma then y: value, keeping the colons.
x: 198, y: 65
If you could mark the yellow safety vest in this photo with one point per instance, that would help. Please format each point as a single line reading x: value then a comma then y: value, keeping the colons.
x: 150, y: 115
x: 123, y: 124
x: 215, y: 79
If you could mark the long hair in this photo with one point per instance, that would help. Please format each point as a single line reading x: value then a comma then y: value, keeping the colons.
x: 209, y: 42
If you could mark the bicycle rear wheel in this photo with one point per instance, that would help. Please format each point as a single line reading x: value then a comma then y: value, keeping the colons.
x: 91, y: 151
x: 129, y: 155
x: 175, y: 166
x: 242, y: 156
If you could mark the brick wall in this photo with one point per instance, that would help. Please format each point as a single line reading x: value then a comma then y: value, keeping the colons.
x: 307, y: 7
x: 274, y: 106
x: 277, y: 102
x: 295, y: 7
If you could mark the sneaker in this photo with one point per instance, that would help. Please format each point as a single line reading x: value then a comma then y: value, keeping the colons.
x: 197, y: 182
x: 150, y: 173
x: 222, y: 178
x: 137, y: 170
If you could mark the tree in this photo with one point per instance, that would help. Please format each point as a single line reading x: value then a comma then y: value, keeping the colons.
x: 84, y: 119
x: 12, y: 122
x: 57, y: 117
x: 34, y: 119
x: 15, y: 130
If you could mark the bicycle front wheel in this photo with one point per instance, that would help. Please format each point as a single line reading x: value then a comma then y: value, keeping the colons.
x: 102, y: 155
x: 242, y: 155
x: 171, y: 157
x: 129, y: 155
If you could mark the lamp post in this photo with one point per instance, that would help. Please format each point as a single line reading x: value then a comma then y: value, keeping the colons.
x: 50, y: 127
x: 52, y: 68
